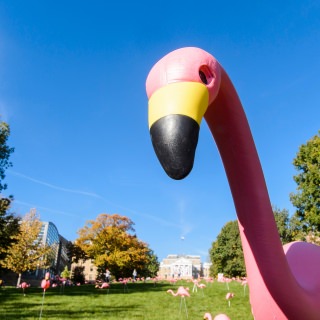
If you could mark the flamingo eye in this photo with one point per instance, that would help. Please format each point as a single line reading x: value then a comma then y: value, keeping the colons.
x: 205, y: 75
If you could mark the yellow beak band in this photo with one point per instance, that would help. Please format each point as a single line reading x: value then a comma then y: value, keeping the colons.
x: 186, y: 98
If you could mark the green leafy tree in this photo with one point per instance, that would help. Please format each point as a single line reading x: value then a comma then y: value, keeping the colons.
x: 75, y: 253
x: 9, y: 227
x: 27, y: 253
x: 66, y: 273
x: 151, y: 267
x: 5, y: 152
x: 109, y: 241
x: 307, y: 198
x: 296, y: 229
x: 8, y: 221
x: 284, y: 225
x: 226, y: 252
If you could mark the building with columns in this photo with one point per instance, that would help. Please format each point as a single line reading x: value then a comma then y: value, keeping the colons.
x: 183, y: 267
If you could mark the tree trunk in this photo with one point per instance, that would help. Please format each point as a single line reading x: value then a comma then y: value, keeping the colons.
x: 19, y: 280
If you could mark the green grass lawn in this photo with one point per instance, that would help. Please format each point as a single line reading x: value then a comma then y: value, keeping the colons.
x: 141, y: 301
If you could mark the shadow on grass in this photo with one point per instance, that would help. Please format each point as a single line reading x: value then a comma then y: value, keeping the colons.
x: 83, y: 288
x: 49, y: 311
x: 115, y: 288
x: 11, y: 294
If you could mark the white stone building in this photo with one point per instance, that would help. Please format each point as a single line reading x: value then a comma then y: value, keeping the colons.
x: 183, y: 267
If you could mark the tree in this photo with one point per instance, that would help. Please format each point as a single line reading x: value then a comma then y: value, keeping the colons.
x: 5, y: 152
x: 151, y: 268
x: 8, y: 222
x: 284, y: 225
x: 27, y: 252
x: 307, y: 197
x: 226, y: 252
x: 75, y: 253
x: 9, y: 226
x: 78, y: 275
x: 66, y: 273
x: 108, y: 241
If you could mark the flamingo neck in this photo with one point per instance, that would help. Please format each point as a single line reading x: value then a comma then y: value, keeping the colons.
x: 230, y: 129
x: 266, y: 264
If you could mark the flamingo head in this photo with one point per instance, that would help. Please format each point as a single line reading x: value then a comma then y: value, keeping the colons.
x: 221, y: 317
x: 229, y: 295
x: 180, y: 87
x: 207, y: 316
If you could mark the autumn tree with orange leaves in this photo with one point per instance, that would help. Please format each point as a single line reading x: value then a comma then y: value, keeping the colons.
x: 110, y: 241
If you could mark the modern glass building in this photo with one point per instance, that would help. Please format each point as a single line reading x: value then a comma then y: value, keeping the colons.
x: 57, y: 258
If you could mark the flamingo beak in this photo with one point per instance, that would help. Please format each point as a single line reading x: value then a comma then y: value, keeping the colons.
x: 175, y: 114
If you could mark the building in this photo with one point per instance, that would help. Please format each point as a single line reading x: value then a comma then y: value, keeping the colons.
x: 206, y: 269
x: 90, y: 271
x: 57, y: 258
x: 63, y: 259
x: 183, y: 267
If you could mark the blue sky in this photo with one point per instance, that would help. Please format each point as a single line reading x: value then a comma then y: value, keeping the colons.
x: 72, y: 88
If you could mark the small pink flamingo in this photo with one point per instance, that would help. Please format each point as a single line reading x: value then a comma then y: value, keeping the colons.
x: 207, y: 316
x: 45, y: 284
x: 125, y: 286
x: 244, y: 283
x: 220, y: 316
x: 24, y: 286
x: 201, y: 286
x: 195, y: 285
x: 229, y: 296
x: 182, y: 292
x: 227, y: 281
x: 104, y: 285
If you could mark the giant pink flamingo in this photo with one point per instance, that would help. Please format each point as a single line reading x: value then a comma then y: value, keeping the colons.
x: 186, y: 85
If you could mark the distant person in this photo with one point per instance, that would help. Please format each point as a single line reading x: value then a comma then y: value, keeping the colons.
x: 108, y: 274
x: 134, y: 274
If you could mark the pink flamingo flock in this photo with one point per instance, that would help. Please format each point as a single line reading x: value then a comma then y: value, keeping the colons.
x: 185, y: 86
x: 184, y: 292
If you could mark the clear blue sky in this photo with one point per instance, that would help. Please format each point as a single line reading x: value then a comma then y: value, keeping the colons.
x: 72, y: 88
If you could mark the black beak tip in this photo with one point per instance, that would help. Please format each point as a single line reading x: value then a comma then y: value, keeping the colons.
x: 178, y: 174
x: 175, y: 139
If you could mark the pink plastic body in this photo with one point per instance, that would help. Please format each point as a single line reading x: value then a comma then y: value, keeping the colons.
x: 284, y: 284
